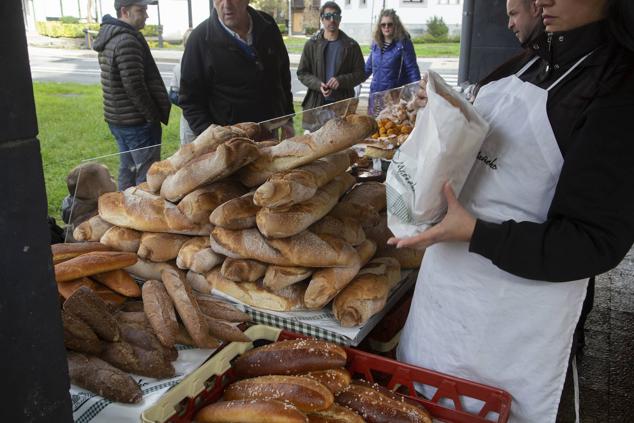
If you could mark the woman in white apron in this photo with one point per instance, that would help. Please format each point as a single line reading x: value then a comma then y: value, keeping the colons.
x: 554, y: 203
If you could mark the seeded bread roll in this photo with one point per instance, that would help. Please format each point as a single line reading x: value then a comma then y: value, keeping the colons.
x: 91, y: 229
x: 242, y: 270
x: 250, y: 411
x: 335, y: 414
x: 122, y: 239
x: 336, y: 380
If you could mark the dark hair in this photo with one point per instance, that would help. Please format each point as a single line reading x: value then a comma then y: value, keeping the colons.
x: 399, y: 30
x: 620, y: 22
x: 329, y: 5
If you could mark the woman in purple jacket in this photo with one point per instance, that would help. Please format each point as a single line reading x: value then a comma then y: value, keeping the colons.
x: 392, y: 59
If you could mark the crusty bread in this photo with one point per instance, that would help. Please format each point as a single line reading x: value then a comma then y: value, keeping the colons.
x: 199, y: 282
x: 160, y: 247
x: 291, y: 357
x: 147, y: 270
x: 250, y: 411
x: 327, y: 283
x: 119, y: 281
x: 225, y: 160
x: 279, y: 277
x: 335, y: 414
x: 305, y: 249
x: 304, y: 393
x: 283, y: 222
x: 368, y: 193
x: 366, y: 215
x: 92, y: 263
x: 159, y: 310
x: 408, y: 258
x: 387, y: 266
x: 65, y: 251
x: 294, y: 186
x: 205, y: 143
x: 219, y: 309
x: 238, y: 213
x: 91, y: 229
x: 345, y: 228
x: 225, y: 331
x: 78, y: 336
x: 255, y: 295
x: 336, y: 380
x: 242, y: 270
x: 87, y: 306
x: 122, y: 239
x: 196, y: 255
x: 67, y: 288
x: 198, y: 204
x: 336, y: 135
x: 147, y: 214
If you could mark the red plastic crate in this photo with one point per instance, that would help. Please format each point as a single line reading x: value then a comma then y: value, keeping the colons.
x: 389, y: 373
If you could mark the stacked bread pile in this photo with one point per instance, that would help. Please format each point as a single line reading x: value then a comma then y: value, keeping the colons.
x: 107, y: 334
x: 277, y: 226
x: 305, y: 381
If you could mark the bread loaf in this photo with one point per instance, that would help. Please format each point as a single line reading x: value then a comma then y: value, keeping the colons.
x: 288, y: 221
x: 327, y: 283
x: 408, y: 258
x: 147, y: 214
x: 143, y: 336
x: 67, y: 288
x: 306, y: 394
x: 199, y: 282
x: 254, y: 294
x: 119, y: 281
x: 122, y: 239
x: 377, y: 404
x: 387, y: 266
x: 159, y: 309
x: 242, y: 270
x: 78, y: 336
x: 135, y: 317
x: 65, y: 251
x: 294, y: 186
x: 348, y: 229
x: 335, y: 414
x: 336, y: 380
x: 225, y: 160
x: 368, y: 194
x: 224, y: 331
x: 219, y: 309
x: 97, y: 376
x: 198, y: 204
x: 366, y: 215
x: 187, y: 307
x: 205, y: 143
x: 291, y: 357
x: 238, y: 213
x: 91, y: 229
x: 160, y: 247
x: 305, y: 249
x: 250, y: 411
x: 134, y: 359
x: 92, y: 263
x: 87, y: 306
x: 336, y: 135
x: 279, y: 277
x: 149, y: 270
x: 189, y: 249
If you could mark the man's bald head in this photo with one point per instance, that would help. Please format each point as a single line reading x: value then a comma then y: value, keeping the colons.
x: 524, y: 18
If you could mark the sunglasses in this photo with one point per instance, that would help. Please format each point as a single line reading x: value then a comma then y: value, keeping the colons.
x: 387, y: 24
x: 331, y: 16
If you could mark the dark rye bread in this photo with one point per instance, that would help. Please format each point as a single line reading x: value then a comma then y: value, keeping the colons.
x: 91, y: 309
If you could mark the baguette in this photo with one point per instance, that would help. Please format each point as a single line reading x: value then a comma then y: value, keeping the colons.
x: 87, y: 306
x: 291, y: 357
x: 225, y: 160
x: 119, y: 281
x: 250, y: 411
x: 147, y: 214
x: 366, y: 215
x: 370, y: 193
x: 336, y: 380
x: 335, y: 414
x: 224, y: 331
x: 159, y: 310
x: 241, y: 270
x: 92, y: 263
x: 149, y: 270
x: 134, y: 359
x: 187, y: 307
x: 97, y: 376
x: 198, y: 204
x: 160, y: 247
x: 378, y: 405
x: 65, y: 251
x: 91, y: 229
x: 284, y: 189
x: 219, y: 309
x: 132, y: 306
x: 143, y: 336
x: 305, y: 249
x: 238, y: 213
x: 67, y: 288
x: 327, y: 283
x: 345, y: 228
x: 199, y: 282
x: 289, y: 221
x: 306, y: 394
x: 78, y: 336
x: 134, y: 317
x: 408, y: 258
x: 189, y: 249
x: 336, y: 135
x: 279, y: 277
x: 122, y: 239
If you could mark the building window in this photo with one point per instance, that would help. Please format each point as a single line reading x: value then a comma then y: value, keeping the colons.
x: 414, y: 2
x: 347, y: 3
x: 362, y: 3
x: 448, y: 2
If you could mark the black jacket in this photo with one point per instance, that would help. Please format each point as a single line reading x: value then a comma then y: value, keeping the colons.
x: 221, y: 84
x: 133, y: 90
x: 590, y: 223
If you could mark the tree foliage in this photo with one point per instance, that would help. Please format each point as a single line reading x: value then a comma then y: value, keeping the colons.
x: 437, y: 28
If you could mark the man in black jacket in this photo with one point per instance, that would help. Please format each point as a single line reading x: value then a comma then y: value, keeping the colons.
x: 134, y: 96
x: 235, y: 69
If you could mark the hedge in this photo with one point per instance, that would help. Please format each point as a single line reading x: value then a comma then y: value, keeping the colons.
x: 57, y: 29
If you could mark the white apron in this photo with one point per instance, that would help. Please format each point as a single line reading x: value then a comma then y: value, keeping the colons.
x: 473, y: 320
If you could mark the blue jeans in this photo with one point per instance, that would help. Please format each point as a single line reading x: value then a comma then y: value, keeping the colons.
x: 140, y: 146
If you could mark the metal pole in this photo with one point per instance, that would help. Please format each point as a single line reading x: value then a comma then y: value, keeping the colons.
x: 79, y: 9
x: 190, y: 20
x: 61, y: 8
x: 160, y: 27
x: 465, y: 40
x: 290, y: 18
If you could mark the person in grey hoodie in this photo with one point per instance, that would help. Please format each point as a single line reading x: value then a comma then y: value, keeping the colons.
x: 134, y: 96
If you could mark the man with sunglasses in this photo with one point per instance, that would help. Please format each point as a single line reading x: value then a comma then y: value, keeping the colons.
x: 331, y: 65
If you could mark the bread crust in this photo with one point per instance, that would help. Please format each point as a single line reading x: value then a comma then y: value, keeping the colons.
x: 250, y: 411
x: 160, y: 312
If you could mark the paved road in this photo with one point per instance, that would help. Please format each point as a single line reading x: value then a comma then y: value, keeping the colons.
x: 62, y: 65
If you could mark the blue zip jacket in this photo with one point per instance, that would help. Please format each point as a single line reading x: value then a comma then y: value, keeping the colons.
x: 395, y: 67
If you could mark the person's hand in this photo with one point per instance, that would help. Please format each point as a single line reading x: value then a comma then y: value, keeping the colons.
x: 333, y: 83
x: 457, y: 225
x: 421, y: 94
x: 325, y: 90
